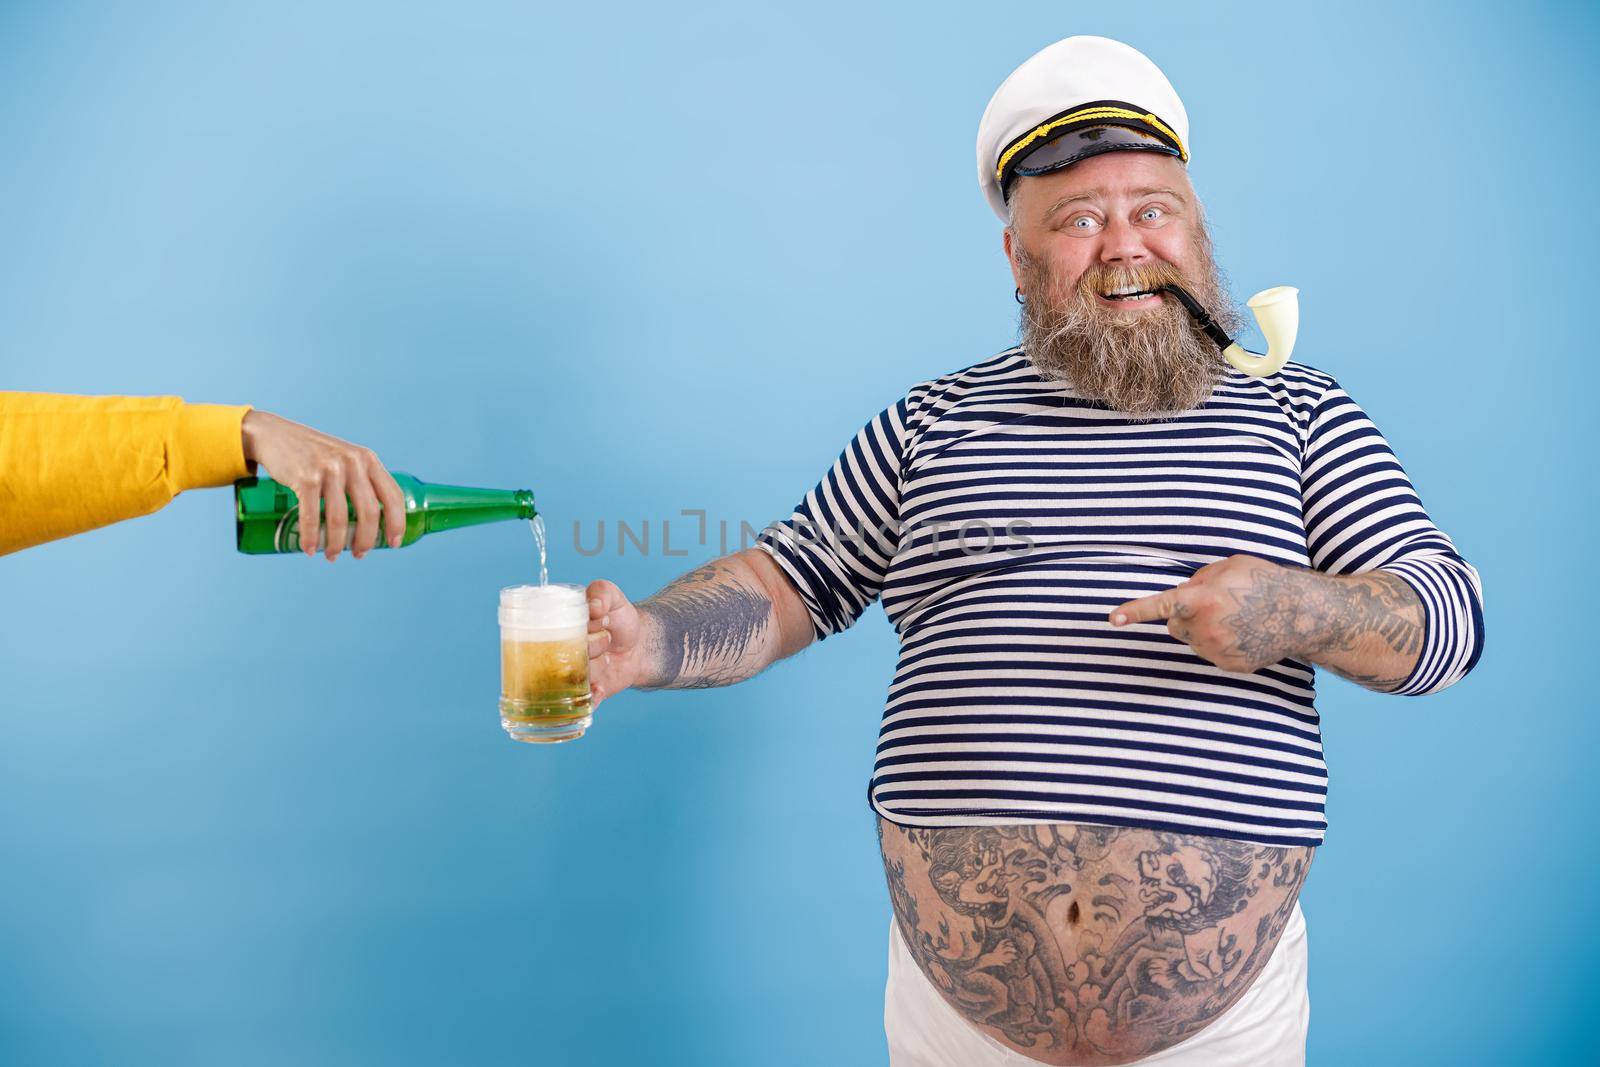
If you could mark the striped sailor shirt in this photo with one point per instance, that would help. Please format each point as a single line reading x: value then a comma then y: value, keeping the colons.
x: 1000, y: 517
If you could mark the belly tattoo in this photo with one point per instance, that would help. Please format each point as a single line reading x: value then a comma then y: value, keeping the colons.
x: 1086, y: 944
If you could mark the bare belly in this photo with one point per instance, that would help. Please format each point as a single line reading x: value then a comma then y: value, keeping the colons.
x: 1077, y: 944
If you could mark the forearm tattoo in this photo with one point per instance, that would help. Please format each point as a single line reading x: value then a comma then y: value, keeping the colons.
x: 707, y: 623
x: 1321, y: 615
x: 1088, y: 944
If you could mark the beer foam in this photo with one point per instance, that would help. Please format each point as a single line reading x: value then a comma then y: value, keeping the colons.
x: 543, y: 612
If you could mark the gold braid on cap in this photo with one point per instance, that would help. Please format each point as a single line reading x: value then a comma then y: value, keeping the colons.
x: 1106, y: 111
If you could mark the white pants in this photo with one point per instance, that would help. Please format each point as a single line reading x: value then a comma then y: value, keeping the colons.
x: 1265, y: 1028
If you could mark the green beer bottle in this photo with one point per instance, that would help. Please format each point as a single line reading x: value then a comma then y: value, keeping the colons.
x: 269, y: 513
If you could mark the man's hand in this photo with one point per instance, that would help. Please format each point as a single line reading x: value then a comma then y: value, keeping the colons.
x: 1241, y: 613
x: 725, y: 621
x: 616, y: 632
x: 324, y: 472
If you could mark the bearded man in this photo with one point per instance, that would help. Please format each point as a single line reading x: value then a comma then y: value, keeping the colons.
x: 1113, y: 562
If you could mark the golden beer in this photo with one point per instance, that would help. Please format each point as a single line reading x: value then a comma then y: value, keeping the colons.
x: 544, y: 662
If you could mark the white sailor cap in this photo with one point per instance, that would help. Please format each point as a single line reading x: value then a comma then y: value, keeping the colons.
x: 1077, y: 98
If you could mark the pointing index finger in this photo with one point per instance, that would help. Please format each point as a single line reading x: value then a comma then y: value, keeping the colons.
x: 1145, y: 609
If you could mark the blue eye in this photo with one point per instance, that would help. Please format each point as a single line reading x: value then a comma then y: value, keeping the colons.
x: 1084, y: 224
x: 1150, y: 214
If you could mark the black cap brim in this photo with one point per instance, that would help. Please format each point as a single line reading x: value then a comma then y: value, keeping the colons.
x: 1080, y: 144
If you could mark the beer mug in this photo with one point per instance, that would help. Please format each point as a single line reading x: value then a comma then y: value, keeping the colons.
x: 544, y: 662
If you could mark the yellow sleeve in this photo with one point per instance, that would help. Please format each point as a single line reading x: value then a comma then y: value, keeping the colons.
x: 74, y: 463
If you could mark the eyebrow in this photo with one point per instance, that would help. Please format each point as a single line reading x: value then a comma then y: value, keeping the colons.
x: 1092, y: 194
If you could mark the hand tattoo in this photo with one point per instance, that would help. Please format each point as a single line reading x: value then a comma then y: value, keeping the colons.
x: 1314, y: 615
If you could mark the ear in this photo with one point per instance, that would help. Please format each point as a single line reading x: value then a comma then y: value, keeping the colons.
x: 1010, y: 244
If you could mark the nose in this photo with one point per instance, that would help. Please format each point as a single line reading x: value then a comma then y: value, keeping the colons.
x: 1121, y: 244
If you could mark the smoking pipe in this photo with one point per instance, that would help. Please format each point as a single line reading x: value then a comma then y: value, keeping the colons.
x: 1277, y: 312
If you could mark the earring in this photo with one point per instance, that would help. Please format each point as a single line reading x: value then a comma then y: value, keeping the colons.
x: 1018, y: 293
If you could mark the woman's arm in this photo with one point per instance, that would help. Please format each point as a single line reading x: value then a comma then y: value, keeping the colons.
x: 74, y: 463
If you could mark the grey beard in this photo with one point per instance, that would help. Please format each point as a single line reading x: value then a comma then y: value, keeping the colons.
x: 1150, y: 365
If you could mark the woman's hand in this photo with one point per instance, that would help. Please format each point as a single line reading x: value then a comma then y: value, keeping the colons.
x: 324, y: 473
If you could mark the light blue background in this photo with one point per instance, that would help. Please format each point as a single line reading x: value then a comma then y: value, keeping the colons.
x: 259, y: 811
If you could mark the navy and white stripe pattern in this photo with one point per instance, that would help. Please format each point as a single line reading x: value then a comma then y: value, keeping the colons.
x: 1000, y: 517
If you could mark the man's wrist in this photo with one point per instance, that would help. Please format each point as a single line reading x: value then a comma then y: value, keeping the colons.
x: 1370, y: 615
x: 1313, y: 625
x: 649, y: 668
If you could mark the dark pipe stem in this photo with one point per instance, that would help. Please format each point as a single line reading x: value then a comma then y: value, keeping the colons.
x: 1212, y: 330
